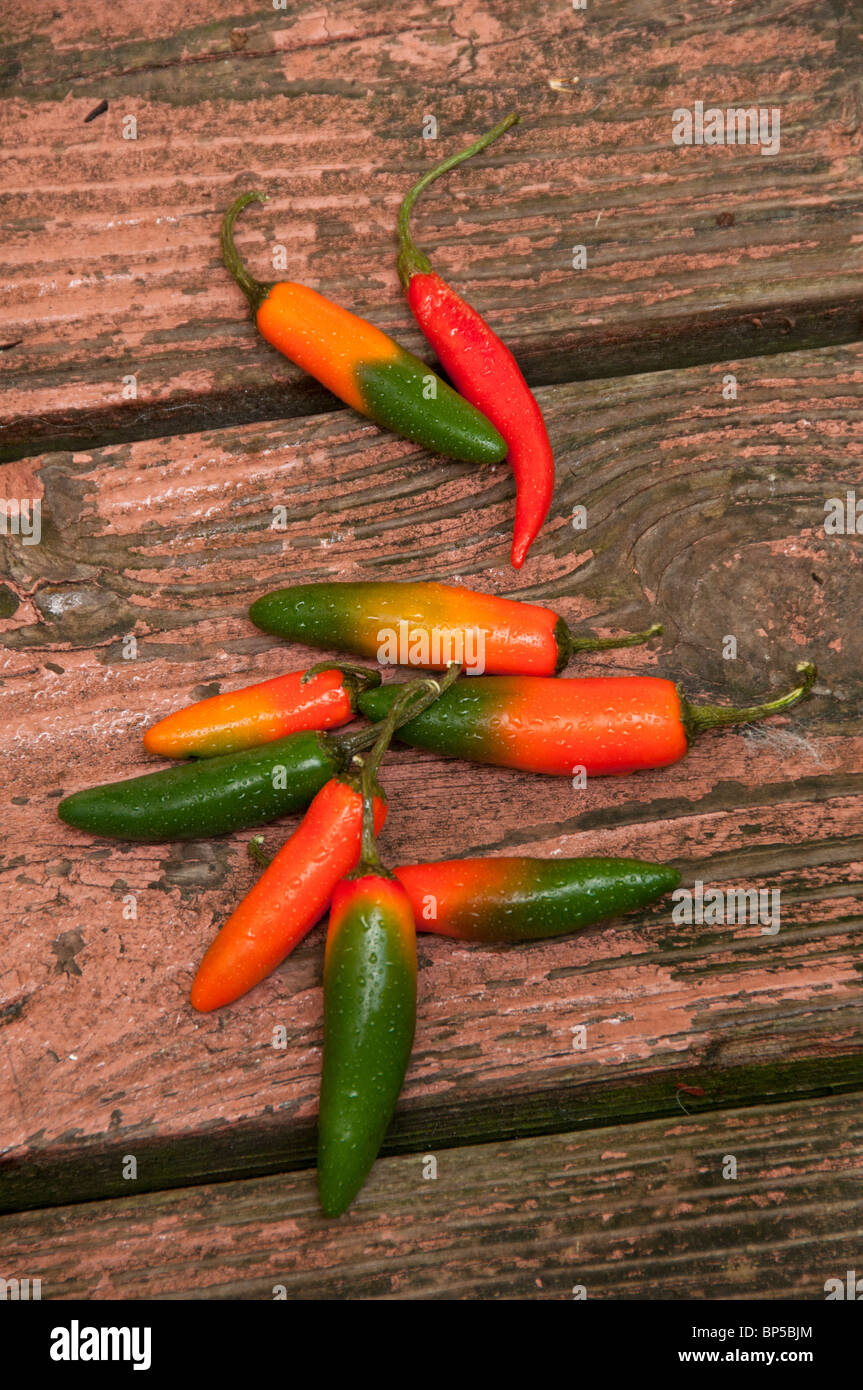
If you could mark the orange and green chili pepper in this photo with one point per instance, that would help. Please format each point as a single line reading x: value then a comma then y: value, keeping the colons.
x: 321, y: 699
x: 361, y: 365
x: 295, y: 889
x: 601, y: 725
x: 479, y: 365
x: 210, y: 796
x: 370, y: 992
x: 519, y: 899
x: 429, y: 625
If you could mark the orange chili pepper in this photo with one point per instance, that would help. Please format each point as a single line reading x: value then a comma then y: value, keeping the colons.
x: 295, y: 890
x: 260, y: 713
x: 288, y: 899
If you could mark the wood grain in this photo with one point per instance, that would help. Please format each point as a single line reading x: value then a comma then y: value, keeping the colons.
x: 694, y: 253
x: 705, y: 512
x: 647, y: 1211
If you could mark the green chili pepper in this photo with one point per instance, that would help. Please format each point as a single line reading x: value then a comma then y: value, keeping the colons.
x: 370, y: 991
x: 519, y: 899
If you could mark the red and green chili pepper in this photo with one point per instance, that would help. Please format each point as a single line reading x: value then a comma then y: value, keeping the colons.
x: 480, y: 366
x: 294, y: 891
x: 603, y: 724
x: 518, y: 899
x: 210, y: 796
x: 428, y: 625
x: 370, y: 992
x: 322, y: 698
x: 360, y: 364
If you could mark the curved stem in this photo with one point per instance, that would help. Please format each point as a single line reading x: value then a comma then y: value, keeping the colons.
x: 370, y: 862
x: 254, y: 290
x: 411, y: 260
x: 416, y: 697
x: 697, y: 718
x: 603, y: 644
x: 404, y: 701
x: 363, y: 677
x: 402, y: 708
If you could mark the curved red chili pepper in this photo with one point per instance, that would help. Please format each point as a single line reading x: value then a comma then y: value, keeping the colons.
x: 481, y: 367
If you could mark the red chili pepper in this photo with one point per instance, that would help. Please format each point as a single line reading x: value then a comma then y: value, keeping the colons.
x: 321, y: 698
x: 295, y: 890
x: 370, y: 992
x: 482, y: 368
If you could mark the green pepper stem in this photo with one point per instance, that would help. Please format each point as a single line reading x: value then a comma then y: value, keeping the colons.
x: 370, y: 860
x: 697, y: 718
x: 405, y: 700
x: 413, y: 701
x: 604, y: 644
x: 361, y: 677
x: 411, y: 260
x: 254, y: 290
x: 404, y: 707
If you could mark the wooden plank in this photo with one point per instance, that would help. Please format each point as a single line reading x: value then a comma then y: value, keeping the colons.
x: 705, y: 512
x: 649, y: 1211
x: 693, y: 253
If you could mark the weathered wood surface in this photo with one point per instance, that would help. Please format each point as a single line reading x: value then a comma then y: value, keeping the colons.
x: 694, y: 254
x: 705, y: 512
x: 646, y: 1211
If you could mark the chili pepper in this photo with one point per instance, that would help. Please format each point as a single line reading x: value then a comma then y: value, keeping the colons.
x: 528, y: 899
x: 603, y: 725
x: 360, y: 364
x: 213, y: 795
x: 479, y: 365
x: 294, y: 891
x: 370, y: 992
x: 256, y: 714
x: 429, y: 625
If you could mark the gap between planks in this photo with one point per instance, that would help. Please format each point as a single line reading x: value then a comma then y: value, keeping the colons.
x: 756, y: 1203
